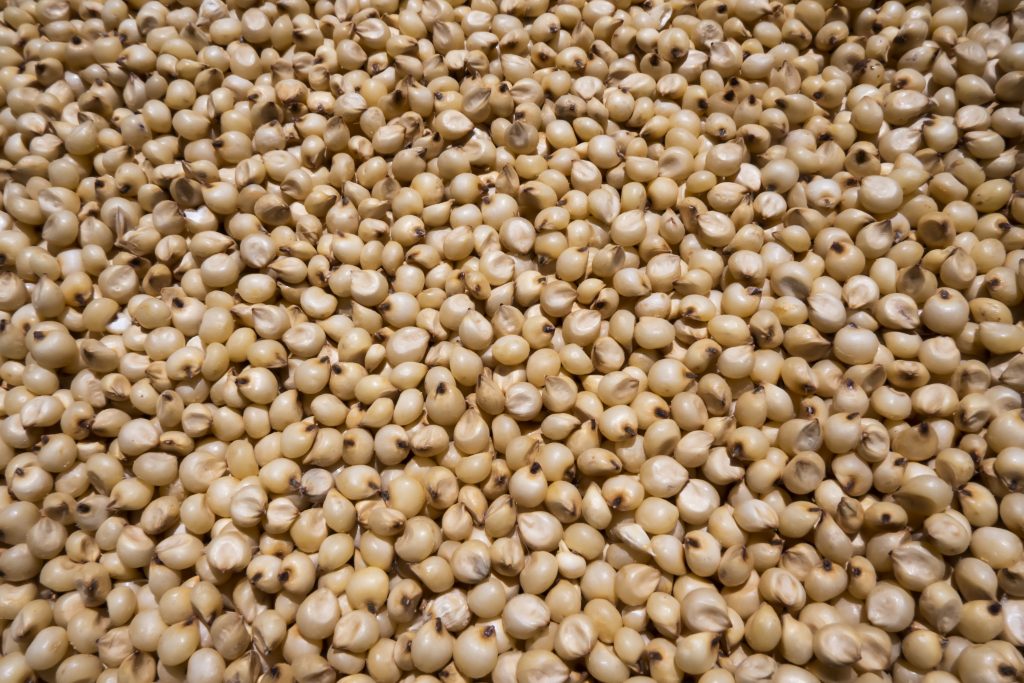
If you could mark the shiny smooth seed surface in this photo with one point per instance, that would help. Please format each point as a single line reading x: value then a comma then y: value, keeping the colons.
x: 523, y: 341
